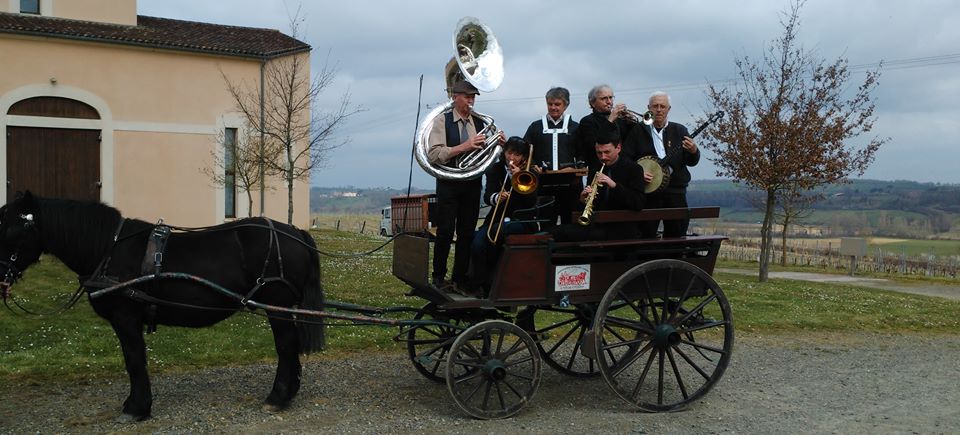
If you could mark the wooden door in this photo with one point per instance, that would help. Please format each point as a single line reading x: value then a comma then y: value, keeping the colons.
x: 54, y: 162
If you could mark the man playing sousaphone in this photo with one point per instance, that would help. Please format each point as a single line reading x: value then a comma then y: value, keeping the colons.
x: 458, y: 200
x: 671, y: 143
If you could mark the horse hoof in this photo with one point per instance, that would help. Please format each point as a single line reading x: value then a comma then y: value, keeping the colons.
x: 271, y: 408
x: 130, y: 418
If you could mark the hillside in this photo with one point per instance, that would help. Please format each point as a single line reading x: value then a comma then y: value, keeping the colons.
x: 862, y: 207
x: 352, y: 200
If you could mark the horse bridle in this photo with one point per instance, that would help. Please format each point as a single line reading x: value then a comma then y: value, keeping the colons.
x: 13, y: 273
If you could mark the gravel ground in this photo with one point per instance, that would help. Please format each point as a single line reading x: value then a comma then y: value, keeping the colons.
x: 821, y: 383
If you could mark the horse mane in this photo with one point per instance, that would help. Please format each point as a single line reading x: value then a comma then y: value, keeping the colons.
x: 77, y: 232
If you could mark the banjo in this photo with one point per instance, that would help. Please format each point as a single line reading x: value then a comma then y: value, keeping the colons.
x: 660, y: 168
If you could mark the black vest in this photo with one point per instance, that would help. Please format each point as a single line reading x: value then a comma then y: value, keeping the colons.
x: 453, y: 130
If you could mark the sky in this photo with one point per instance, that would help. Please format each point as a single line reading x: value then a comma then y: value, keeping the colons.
x: 380, y: 49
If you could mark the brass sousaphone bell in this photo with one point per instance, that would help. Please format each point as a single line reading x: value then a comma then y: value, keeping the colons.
x: 478, y: 60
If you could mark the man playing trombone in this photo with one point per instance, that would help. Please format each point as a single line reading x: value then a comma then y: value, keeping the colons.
x: 458, y: 200
x: 503, y: 201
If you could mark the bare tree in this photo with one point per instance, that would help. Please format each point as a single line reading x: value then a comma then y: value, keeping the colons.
x: 237, y: 162
x: 790, y: 123
x: 298, y: 135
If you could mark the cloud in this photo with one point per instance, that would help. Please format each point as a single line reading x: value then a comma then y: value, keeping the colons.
x: 381, y: 48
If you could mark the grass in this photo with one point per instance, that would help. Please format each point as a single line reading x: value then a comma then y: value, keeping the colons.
x: 78, y: 344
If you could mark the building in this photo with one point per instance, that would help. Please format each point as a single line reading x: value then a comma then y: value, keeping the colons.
x: 97, y: 102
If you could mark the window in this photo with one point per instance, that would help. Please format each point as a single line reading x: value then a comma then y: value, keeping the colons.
x: 30, y: 7
x: 229, y: 172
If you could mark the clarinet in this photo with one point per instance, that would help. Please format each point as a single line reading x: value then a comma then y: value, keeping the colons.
x: 584, y: 218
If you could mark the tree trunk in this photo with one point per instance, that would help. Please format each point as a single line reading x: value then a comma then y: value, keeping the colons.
x: 766, y: 236
x: 783, y: 241
x: 290, y: 184
x: 249, y: 203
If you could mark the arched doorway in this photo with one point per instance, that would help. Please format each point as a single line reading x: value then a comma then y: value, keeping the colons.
x: 53, y: 162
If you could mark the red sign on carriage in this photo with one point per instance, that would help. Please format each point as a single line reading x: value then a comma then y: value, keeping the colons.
x: 571, y: 277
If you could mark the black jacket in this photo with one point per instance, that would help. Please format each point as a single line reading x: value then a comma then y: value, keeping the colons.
x: 542, y: 142
x: 640, y: 142
x: 628, y: 194
x: 496, y: 176
x: 588, y: 131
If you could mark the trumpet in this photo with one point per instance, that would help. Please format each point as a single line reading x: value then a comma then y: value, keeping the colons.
x: 584, y: 218
x: 523, y: 182
x: 646, y: 118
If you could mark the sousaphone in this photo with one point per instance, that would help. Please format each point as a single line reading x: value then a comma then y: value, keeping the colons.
x: 478, y: 60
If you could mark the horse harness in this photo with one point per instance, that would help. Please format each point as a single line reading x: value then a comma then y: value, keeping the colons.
x: 152, y: 264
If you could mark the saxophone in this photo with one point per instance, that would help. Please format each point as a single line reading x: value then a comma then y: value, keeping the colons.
x: 584, y: 218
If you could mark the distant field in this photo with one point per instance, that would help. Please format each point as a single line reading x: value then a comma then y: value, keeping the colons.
x: 896, y: 246
x: 369, y: 223
x: 825, y: 217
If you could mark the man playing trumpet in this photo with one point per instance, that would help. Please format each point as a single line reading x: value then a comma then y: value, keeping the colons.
x: 605, y: 115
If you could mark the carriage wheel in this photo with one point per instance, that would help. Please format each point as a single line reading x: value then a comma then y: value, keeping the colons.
x: 664, y: 334
x: 560, y: 338
x: 493, y: 370
x: 428, y: 345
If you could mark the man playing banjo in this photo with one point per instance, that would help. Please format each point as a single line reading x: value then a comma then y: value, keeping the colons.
x: 672, y: 145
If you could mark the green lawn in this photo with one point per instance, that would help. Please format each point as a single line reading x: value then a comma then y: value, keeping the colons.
x: 78, y: 344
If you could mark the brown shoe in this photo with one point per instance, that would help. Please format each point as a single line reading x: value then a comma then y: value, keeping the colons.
x: 468, y: 289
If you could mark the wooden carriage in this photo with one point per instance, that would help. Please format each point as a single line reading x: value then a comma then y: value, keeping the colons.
x: 645, y: 314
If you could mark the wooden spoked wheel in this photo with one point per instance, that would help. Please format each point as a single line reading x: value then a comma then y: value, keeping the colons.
x: 559, y: 335
x: 429, y: 345
x: 663, y: 335
x: 493, y: 370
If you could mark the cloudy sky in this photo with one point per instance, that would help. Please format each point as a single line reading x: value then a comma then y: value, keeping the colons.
x: 382, y: 47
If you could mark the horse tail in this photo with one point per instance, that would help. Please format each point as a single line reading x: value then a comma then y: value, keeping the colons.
x: 311, y: 332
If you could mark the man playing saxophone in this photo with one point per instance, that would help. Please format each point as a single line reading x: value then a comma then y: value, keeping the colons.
x: 619, y: 187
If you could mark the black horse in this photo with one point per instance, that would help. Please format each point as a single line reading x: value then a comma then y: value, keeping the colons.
x: 262, y: 260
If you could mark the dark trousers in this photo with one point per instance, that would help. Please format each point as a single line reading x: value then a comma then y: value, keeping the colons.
x: 458, y: 206
x: 484, y: 255
x: 668, y: 198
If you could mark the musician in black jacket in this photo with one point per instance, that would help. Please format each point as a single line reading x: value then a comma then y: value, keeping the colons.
x: 514, y: 215
x: 555, y: 147
x: 604, y: 116
x: 620, y: 187
x: 671, y: 143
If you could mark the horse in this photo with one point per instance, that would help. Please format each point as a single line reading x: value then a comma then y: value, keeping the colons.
x: 258, y: 259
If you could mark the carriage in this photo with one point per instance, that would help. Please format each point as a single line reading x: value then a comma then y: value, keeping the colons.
x: 644, y: 314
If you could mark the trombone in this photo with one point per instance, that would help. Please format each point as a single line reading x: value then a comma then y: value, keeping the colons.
x: 524, y: 182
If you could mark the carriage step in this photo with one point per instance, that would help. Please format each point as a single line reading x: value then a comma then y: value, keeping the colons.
x: 587, y: 347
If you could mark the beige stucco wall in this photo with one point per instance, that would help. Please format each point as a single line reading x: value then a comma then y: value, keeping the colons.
x: 160, y: 114
x: 104, y: 11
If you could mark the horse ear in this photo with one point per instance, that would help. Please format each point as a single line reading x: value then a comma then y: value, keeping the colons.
x: 27, y: 197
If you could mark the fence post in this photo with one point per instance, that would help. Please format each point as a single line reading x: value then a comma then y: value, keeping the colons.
x: 338, y: 224
x: 363, y: 225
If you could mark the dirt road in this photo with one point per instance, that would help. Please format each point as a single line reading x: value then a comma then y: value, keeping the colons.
x: 815, y: 383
